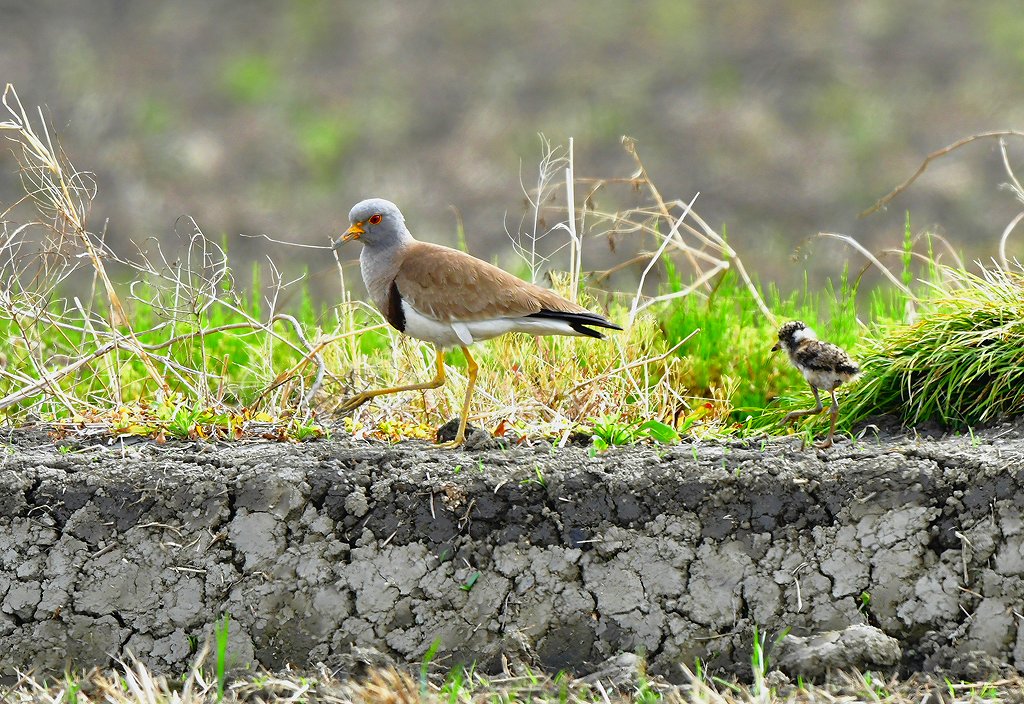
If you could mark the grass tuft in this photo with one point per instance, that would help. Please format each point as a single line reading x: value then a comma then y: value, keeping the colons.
x: 961, y: 363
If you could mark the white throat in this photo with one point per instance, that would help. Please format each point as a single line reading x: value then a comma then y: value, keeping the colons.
x: 804, y: 334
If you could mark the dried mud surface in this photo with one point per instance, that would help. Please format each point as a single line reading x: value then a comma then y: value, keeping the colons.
x: 553, y: 557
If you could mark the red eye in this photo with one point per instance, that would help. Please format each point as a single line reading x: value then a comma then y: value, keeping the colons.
x: 375, y: 219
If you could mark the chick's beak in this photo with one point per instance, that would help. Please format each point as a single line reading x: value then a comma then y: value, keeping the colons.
x: 778, y: 346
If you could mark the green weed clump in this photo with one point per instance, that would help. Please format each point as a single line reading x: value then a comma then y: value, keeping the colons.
x: 961, y: 363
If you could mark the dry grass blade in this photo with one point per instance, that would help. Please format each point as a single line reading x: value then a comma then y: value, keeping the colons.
x: 641, y: 173
x: 314, y: 353
x: 61, y: 194
x: 1018, y: 190
x: 526, y: 241
x: 1003, y: 259
x: 134, y: 683
x: 65, y: 362
x: 386, y: 686
x: 871, y: 258
x: 672, y: 236
x: 634, y: 364
x: 48, y: 381
x: 708, y: 248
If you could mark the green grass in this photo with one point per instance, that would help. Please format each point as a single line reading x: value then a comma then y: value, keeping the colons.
x: 732, y: 356
x: 221, y: 632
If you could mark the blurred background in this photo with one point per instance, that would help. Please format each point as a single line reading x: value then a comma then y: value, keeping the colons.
x: 259, y: 116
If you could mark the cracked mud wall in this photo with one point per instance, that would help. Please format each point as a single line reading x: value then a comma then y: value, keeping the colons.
x: 678, y: 553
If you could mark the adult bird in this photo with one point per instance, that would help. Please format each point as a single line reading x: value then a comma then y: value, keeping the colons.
x: 449, y: 298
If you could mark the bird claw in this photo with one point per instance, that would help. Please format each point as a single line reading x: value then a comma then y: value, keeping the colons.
x: 353, y: 402
x: 824, y: 444
x: 451, y: 444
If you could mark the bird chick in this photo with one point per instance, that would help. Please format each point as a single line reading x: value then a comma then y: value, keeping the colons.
x: 824, y: 365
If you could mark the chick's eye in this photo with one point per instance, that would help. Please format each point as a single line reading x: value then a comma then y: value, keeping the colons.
x: 375, y: 219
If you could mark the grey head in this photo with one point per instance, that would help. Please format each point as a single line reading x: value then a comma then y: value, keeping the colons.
x: 792, y: 334
x: 377, y: 223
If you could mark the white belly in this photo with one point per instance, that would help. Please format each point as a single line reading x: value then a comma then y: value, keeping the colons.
x: 446, y: 335
x: 826, y: 381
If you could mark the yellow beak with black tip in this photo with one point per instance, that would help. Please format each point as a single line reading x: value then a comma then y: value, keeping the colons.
x: 354, y: 232
x: 778, y: 346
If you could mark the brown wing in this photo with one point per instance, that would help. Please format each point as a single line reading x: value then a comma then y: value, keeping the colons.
x: 446, y: 284
x: 824, y: 356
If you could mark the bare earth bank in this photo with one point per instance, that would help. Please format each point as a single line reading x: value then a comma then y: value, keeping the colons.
x: 904, y: 553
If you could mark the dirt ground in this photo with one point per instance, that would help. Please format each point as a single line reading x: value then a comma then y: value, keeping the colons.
x: 903, y: 553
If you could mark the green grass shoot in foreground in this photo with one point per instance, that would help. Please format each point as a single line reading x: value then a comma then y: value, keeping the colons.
x: 165, y: 344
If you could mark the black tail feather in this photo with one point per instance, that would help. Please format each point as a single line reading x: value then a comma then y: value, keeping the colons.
x: 579, y: 321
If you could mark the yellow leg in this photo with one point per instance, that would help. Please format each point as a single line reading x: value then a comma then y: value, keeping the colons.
x: 353, y: 402
x: 460, y: 437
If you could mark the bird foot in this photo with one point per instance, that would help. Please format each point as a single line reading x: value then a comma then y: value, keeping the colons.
x: 824, y: 444
x: 353, y: 402
x: 793, y: 416
x: 452, y: 429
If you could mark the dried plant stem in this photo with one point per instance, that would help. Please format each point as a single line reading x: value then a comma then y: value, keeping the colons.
x: 314, y: 354
x: 719, y: 255
x: 576, y: 244
x: 630, y: 144
x: 1003, y: 259
x: 632, y: 365
x: 1018, y: 190
x: 884, y: 200
x: 50, y: 380
x: 736, y: 263
x: 873, y: 259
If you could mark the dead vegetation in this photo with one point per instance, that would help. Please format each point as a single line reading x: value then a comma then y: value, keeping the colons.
x: 133, y: 683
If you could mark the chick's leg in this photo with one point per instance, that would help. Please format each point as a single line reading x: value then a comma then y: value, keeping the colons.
x: 834, y: 412
x: 818, y: 408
